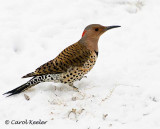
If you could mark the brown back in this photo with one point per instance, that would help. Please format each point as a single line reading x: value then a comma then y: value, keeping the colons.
x: 73, y: 56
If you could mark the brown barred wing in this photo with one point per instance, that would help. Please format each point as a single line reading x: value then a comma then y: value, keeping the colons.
x: 74, y: 55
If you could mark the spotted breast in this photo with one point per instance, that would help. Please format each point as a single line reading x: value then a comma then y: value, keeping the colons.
x: 77, y: 72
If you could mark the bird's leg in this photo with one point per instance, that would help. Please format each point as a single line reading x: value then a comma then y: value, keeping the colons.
x: 75, y: 88
x: 84, y: 76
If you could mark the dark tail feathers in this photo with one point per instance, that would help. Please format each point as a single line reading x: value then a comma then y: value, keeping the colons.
x: 18, y: 90
x: 29, y: 84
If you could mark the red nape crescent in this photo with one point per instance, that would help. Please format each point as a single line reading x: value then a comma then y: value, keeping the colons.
x: 83, y: 33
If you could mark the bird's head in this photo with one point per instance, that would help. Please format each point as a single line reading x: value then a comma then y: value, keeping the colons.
x: 96, y: 30
x: 91, y: 34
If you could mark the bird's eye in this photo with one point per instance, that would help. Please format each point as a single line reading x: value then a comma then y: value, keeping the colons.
x: 96, y: 29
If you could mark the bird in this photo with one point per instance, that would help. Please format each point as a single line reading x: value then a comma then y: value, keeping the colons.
x: 71, y: 65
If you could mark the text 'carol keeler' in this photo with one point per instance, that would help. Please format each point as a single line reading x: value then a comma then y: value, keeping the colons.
x: 26, y: 122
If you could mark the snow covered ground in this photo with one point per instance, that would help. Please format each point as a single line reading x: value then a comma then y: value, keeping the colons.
x: 123, y: 89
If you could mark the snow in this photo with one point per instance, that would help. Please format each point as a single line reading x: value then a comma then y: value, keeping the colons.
x: 122, y: 91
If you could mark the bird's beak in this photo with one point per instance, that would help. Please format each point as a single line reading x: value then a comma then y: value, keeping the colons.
x: 110, y: 27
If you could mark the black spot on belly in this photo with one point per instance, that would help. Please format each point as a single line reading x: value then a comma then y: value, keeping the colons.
x: 96, y: 53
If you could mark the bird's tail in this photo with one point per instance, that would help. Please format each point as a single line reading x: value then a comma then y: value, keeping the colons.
x: 29, y: 84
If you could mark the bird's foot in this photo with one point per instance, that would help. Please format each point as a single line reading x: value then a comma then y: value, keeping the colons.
x: 74, y: 88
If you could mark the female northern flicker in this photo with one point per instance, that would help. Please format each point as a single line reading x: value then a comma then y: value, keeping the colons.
x: 71, y: 64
